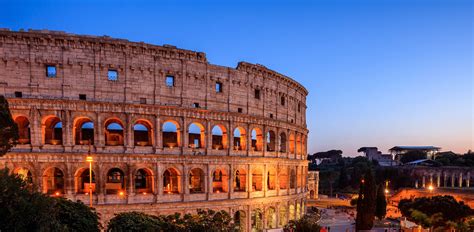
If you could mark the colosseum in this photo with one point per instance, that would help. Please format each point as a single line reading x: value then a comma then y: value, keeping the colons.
x: 166, y: 130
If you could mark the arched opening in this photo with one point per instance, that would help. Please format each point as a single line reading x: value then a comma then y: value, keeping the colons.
x: 298, y: 144
x: 271, y: 179
x: 240, y: 181
x: 23, y: 129
x: 257, y: 139
x: 240, y: 139
x: 292, y: 143
x: 282, y: 142
x: 311, y: 194
x: 219, y: 181
x: 114, y: 132
x: 143, y: 181
x: 257, y: 180
x: 24, y: 174
x: 196, y: 135
x: 53, y: 181
x: 283, y: 178
x: 291, y: 213
x: 171, y: 136
x: 142, y: 133
x: 219, y: 137
x: 53, y: 131
x: 257, y: 220
x: 298, y: 211
x: 82, y: 180
x: 171, y: 180
x: 298, y: 177
x: 283, y: 217
x: 196, y: 181
x: 84, y: 131
x: 115, y: 182
x: 271, y: 218
x: 240, y: 221
x: 271, y: 141
x: 293, y: 179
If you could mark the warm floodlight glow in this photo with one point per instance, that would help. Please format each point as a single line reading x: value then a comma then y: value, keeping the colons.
x: 386, y: 191
x: 430, y: 187
x: 57, y: 193
x: 121, y: 193
x: 89, y: 159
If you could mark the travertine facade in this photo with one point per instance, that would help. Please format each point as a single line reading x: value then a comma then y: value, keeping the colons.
x: 168, y: 131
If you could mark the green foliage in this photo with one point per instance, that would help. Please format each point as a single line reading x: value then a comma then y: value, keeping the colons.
x: 23, y: 209
x: 381, y: 203
x: 366, y: 202
x: 453, y: 159
x: 439, y: 210
x: 304, y: 224
x: 204, y: 220
x: 8, y: 128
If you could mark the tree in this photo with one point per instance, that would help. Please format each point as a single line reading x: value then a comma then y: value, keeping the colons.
x: 8, y: 128
x: 23, y: 209
x: 304, y: 224
x: 439, y: 210
x: 366, y: 202
x: 134, y: 221
x: 381, y: 203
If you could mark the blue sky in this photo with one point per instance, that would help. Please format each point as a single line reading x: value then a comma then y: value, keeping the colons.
x: 379, y: 72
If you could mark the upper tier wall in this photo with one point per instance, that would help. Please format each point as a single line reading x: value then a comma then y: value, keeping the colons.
x: 82, y: 64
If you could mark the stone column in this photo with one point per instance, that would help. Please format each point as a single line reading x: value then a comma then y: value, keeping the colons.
x: 249, y: 181
x: 265, y: 180
x: 128, y: 134
x: 67, y: 131
x: 460, y: 180
x: 277, y: 180
x: 416, y: 183
x: 184, y: 134
x: 423, y: 182
x: 249, y: 139
x: 156, y: 182
x: 208, y: 182
x: 230, y: 138
x: 185, y: 182
x: 452, y: 180
x: 158, y: 143
x: 445, y: 180
x: 208, y: 134
x: 159, y: 180
x: 468, y: 179
x: 431, y: 179
x: 231, y: 181
x: 438, y: 180
x: 264, y: 142
x: 99, y: 136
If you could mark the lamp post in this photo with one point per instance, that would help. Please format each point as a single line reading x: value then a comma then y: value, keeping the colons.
x: 90, y: 160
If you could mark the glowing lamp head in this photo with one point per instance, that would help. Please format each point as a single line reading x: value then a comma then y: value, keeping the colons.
x: 121, y: 193
x: 57, y: 193
x: 144, y: 193
x: 430, y: 187
x: 89, y: 159
x: 386, y: 191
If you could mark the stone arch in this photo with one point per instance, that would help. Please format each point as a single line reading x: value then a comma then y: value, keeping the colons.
x: 54, y: 181
x: 257, y: 220
x: 171, y: 133
x: 283, y: 216
x: 114, y: 132
x: 171, y: 181
x: 271, y: 140
x: 143, y: 133
x: 219, y: 137
x: 240, y: 220
x: 271, y: 218
x: 24, y: 131
x: 292, y: 143
x: 282, y: 142
x: 283, y: 177
x: 144, y: 181
x: 220, y: 180
x: 82, y: 181
x: 293, y: 178
x: 298, y: 144
x: 257, y: 179
x: 83, y: 131
x: 115, y: 181
x: 196, y: 181
x: 196, y: 135
x: 240, y: 180
x: 52, y: 130
x: 298, y: 210
x: 271, y: 178
x: 257, y: 139
x: 291, y: 212
x: 240, y: 139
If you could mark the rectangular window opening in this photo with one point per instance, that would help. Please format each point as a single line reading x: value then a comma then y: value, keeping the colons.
x: 112, y: 75
x: 239, y: 110
x: 257, y: 93
x: 142, y: 100
x: 196, y: 105
x: 218, y: 87
x: 18, y: 94
x: 82, y: 97
x: 170, y: 81
x: 51, y: 71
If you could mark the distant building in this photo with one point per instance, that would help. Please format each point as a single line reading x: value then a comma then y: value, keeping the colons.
x: 430, y: 151
x: 373, y: 153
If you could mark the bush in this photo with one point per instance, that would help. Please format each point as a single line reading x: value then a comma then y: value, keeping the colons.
x: 304, y: 224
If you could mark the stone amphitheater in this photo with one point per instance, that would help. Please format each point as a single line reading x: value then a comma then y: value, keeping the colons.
x: 167, y: 131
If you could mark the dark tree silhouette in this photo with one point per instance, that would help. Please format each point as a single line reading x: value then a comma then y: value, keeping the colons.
x: 381, y: 203
x: 366, y: 202
x: 8, y: 128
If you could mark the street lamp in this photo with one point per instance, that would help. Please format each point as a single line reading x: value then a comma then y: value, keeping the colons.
x: 90, y: 160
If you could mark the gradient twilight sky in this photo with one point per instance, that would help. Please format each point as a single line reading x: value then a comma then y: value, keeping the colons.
x: 379, y: 72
